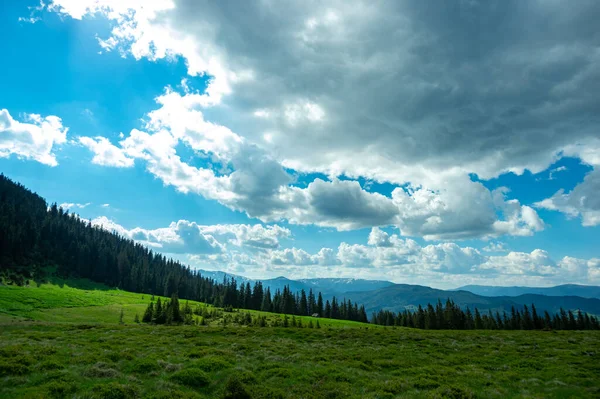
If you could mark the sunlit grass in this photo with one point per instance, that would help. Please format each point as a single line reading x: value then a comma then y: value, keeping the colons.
x: 67, y: 342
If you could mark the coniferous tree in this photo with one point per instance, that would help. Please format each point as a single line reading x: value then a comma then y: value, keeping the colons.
x: 320, y: 307
x: 478, y: 321
x: 303, y: 303
x: 149, y: 313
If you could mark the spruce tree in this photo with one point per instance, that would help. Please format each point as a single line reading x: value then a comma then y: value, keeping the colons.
x: 149, y: 313
x: 320, y: 305
x: 478, y: 320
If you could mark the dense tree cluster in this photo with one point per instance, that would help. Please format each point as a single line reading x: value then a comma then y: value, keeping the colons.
x: 451, y: 317
x: 34, y: 236
x: 300, y: 303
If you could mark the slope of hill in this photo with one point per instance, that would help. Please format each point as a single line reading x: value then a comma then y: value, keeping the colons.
x: 584, y: 291
x: 83, y: 301
x: 401, y: 296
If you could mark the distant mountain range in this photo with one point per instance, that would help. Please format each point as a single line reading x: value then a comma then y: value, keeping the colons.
x: 398, y: 297
x: 327, y: 286
x: 377, y: 294
x: 584, y: 291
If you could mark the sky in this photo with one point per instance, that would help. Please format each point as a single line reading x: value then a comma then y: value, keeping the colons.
x: 434, y: 143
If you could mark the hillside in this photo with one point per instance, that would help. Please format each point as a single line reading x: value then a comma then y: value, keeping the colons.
x: 399, y: 296
x: 584, y: 291
x: 35, y: 237
x: 83, y: 301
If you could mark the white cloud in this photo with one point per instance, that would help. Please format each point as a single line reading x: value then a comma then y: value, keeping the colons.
x: 291, y: 256
x: 70, y: 205
x: 495, y: 247
x: 105, y: 153
x: 583, y: 201
x: 35, y: 138
x: 232, y: 248
x: 180, y: 237
x: 520, y: 220
x: 553, y: 172
x: 381, y: 68
x: 379, y: 238
x: 245, y: 235
x: 388, y: 92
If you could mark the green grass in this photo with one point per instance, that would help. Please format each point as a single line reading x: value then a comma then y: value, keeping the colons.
x: 67, y: 343
x: 72, y: 360
x: 81, y: 301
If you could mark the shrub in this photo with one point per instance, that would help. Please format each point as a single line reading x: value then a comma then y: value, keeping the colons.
x: 144, y: 366
x: 245, y: 376
x: 425, y: 383
x: 212, y: 363
x: 235, y: 389
x: 113, y: 390
x: 12, y: 368
x: 49, y: 365
x: 60, y: 389
x: 100, y: 370
x: 451, y: 393
x: 192, y: 377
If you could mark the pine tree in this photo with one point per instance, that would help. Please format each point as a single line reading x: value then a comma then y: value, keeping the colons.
x: 469, y: 323
x: 149, y: 313
x: 320, y: 305
x: 136, y: 319
x: 303, y: 304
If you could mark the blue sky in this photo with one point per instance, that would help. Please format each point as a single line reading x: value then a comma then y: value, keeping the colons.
x: 360, y: 141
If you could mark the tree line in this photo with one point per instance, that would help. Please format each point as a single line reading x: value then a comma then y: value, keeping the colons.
x: 35, y: 236
x: 452, y: 317
x: 170, y: 312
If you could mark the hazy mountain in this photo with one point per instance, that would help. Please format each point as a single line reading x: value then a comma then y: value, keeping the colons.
x: 377, y: 294
x: 584, y: 291
x: 218, y: 276
x: 327, y: 286
x: 397, y: 297
x: 343, y: 285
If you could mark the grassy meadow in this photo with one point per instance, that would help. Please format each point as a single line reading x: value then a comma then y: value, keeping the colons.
x: 66, y: 342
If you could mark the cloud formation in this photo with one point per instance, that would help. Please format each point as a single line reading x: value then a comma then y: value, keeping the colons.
x: 34, y: 138
x: 583, y: 201
x: 415, y: 94
x: 256, y: 250
x: 71, y: 206
x: 180, y: 237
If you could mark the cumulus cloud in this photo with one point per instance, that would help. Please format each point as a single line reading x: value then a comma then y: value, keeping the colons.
x: 584, y: 200
x: 483, y: 100
x: 245, y: 235
x: 105, y: 153
x: 34, y: 138
x: 390, y: 92
x: 233, y: 248
x: 70, y: 205
x: 495, y: 247
x: 182, y: 237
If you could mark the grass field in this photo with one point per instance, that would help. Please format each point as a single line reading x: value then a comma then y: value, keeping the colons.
x: 81, y: 301
x: 92, y: 356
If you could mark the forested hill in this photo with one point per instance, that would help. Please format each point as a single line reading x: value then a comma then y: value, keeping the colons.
x: 34, y: 236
